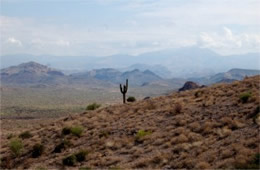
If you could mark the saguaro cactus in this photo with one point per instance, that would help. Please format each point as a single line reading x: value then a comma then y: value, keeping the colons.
x: 124, y: 89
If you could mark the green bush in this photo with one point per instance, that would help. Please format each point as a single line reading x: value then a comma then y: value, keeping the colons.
x: 93, y: 106
x: 81, y: 156
x: 245, y: 96
x: 131, y: 99
x: 141, y: 133
x: 16, y: 146
x: 70, y: 160
x: 25, y: 135
x: 66, y: 131
x: 37, y: 150
x: 77, y: 130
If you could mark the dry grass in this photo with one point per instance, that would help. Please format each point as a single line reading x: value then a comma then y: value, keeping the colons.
x: 213, y: 129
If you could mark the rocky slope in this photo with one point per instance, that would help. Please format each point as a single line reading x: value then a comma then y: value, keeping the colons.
x: 211, y: 127
x: 229, y: 76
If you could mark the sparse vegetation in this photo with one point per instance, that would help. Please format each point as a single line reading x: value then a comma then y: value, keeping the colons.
x: 131, y: 99
x: 10, y: 135
x: 197, y: 94
x: 25, y: 135
x: 37, y: 150
x: 74, y: 158
x: 254, y: 163
x: 16, y: 146
x: 142, y: 133
x: 81, y: 156
x: 77, y: 130
x: 103, y: 134
x: 93, y: 106
x: 61, y: 146
x: 66, y: 131
x: 69, y: 160
x: 177, y: 108
x: 245, y: 96
x: 151, y: 135
x: 84, y: 168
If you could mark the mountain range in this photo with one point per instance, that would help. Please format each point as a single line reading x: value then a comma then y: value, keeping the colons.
x: 37, y: 75
x: 182, y: 62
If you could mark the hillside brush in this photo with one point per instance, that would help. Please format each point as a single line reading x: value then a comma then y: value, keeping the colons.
x: 124, y: 90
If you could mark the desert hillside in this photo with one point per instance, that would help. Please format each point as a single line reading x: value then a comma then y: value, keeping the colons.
x: 210, y: 127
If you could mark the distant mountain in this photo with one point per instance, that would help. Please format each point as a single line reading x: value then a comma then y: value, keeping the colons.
x: 157, y: 69
x: 37, y: 75
x: 136, y: 77
x: 31, y: 73
x: 230, y: 76
x: 181, y: 62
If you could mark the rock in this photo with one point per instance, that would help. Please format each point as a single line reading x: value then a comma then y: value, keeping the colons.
x: 189, y: 85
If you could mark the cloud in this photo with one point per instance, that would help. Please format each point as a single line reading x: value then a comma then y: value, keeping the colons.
x: 14, y: 41
x: 134, y: 27
x: 228, y: 41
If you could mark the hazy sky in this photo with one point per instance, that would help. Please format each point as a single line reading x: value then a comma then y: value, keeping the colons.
x: 105, y: 27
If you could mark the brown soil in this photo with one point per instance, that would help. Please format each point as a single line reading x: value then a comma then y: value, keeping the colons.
x: 202, y: 128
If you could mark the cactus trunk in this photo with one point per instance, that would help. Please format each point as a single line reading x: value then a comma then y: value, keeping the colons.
x: 124, y: 90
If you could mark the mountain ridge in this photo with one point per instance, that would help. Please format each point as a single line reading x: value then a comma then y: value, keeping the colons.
x: 182, y: 63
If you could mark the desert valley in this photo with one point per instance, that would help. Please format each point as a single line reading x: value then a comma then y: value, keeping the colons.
x: 129, y: 84
x: 45, y: 123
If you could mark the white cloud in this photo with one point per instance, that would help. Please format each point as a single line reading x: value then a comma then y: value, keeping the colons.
x: 146, y: 25
x: 14, y: 41
x: 226, y: 41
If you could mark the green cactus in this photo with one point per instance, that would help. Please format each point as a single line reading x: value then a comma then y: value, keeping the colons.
x: 124, y: 90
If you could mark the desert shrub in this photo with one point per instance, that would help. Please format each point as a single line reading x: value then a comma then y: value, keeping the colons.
x: 25, y: 135
x: 93, y: 106
x: 245, y: 96
x: 255, y: 114
x: 66, y: 131
x: 150, y: 106
x: 61, y: 146
x: 16, y: 146
x: 254, y: 163
x: 197, y: 94
x: 84, y: 168
x: 177, y: 108
x: 103, y: 134
x: 141, y: 133
x: 10, y: 135
x: 69, y: 160
x: 77, y: 130
x: 81, y: 156
x: 131, y: 99
x: 37, y: 150
x: 41, y: 168
x: 114, y: 168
